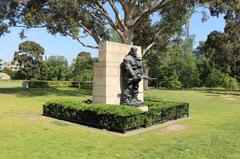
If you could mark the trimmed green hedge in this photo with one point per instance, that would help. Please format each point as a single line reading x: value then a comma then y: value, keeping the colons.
x: 118, y: 118
x: 49, y: 84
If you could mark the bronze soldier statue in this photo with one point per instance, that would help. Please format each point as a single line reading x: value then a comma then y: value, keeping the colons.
x: 133, y: 71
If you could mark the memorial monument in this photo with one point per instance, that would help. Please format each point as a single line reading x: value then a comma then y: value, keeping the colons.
x: 118, y: 80
x: 107, y: 78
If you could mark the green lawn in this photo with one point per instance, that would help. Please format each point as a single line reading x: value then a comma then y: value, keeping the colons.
x: 10, y: 84
x: 212, y: 131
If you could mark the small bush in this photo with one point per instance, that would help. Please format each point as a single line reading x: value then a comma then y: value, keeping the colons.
x: 49, y: 84
x: 117, y: 118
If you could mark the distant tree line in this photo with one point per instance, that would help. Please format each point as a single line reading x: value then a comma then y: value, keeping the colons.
x: 32, y: 66
x: 166, y: 56
x: 177, y: 68
x: 181, y: 68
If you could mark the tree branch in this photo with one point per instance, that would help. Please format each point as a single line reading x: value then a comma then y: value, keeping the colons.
x: 105, y: 14
x: 122, y: 25
x: 156, y: 35
x: 83, y: 44
x: 94, y: 36
x: 101, y: 9
x: 97, y: 18
x: 148, y: 48
x: 82, y: 36
x: 149, y: 11
x: 128, y: 10
x: 26, y: 27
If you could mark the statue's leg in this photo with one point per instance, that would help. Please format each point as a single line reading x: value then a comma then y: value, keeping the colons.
x: 127, y: 93
x: 135, y: 90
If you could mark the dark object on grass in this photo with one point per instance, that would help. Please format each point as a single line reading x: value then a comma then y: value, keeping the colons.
x: 89, y: 101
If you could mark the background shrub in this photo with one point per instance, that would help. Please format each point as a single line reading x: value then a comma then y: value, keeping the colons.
x: 49, y: 84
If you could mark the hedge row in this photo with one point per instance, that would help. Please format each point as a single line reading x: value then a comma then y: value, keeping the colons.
x: 118, y: 118
x: 49, y: 84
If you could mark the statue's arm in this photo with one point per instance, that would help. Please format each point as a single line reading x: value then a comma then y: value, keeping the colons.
x: 129, y: 68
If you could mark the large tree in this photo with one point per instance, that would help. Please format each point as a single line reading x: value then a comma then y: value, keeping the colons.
x: 223, y: 50
x: 93, y: 16
x: 29, y: 57
x: 83, y: 67
x: 82, y: 18
x: 96, y: 17
x: 56, y: 68
x: 179, y: 67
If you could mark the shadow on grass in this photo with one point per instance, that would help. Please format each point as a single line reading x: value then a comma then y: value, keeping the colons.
x: 31, y: 92
x: 218, y: 93
x: 211, y: 92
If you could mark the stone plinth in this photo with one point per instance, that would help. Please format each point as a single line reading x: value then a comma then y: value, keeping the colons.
x: 107, y: 73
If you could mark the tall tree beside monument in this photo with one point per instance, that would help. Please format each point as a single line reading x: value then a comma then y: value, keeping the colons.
x: 90, y: 18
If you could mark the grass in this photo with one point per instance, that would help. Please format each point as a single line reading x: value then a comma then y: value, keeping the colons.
x: 10, y: 84
x: 212, y: 129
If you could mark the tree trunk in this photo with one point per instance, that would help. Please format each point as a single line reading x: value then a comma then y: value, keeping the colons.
x: 145, y: 82
x: 128, y: 37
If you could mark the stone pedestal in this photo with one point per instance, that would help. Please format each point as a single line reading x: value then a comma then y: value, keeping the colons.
x: 107, y: 73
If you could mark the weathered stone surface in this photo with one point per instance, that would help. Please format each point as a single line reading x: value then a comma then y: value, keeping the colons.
x: 107, y: 85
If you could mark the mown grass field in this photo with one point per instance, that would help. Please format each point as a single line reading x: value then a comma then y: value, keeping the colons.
x: 212, y: 131
x: 10, y: 84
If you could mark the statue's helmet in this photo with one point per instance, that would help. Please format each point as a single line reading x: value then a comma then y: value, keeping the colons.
x: 133, y: 51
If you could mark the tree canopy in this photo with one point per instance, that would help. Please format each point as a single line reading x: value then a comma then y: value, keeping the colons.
x: 82, y: 18
x: 56, y: 68
x: 29, y: 57
x: 83, y: 67
x: 224, y: 51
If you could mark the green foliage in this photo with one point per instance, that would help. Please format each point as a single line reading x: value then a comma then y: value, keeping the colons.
x: 229, y: 83
x: 83, y: 67
x: 68, y: 17
x: 179, y: 68
x: 169, y: 78
x: 223, y: 48
x: 56, y: 68
x: 204, y: 69
x: 48, y: 84
x: 189, y: 75
x: 29, y: 57
x: 53, y: 84
x: 94, y: 16
x: 113, y: 36
x: 99, y: 109
x: 118, y: 118
x: 214, y: 78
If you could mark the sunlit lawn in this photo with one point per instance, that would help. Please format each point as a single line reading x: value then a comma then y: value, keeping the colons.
x: 10, y: 84
x: 212, y: 131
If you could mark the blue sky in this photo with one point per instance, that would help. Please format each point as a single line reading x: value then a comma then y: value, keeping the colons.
x: 59, y: 45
